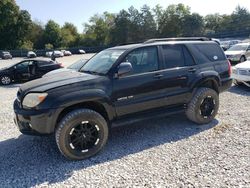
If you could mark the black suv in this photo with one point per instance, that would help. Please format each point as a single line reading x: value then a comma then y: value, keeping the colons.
x: 27, y: 70
x: 123, y: 84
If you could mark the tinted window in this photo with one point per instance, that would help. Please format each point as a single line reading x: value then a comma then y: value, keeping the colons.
x: 189, y: 61
x: 44, y: 63
x: 209, y: 52
x: 143, y: 60
x: 173, y: 56
x: 23, y: 65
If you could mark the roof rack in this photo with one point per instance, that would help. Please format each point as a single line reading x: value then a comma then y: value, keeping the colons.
x: 178, y: 39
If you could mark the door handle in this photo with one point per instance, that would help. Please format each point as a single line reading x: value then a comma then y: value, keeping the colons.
x: 191, y: 70
x: 158, y: 76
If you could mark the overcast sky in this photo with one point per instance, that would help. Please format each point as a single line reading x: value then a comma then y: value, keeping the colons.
x: 79, y: 11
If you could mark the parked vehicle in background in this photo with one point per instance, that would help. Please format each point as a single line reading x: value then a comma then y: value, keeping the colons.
x: 48, y: 54
x: 123, y: 84
x: 241, y: 73
x: 31, y: 54
x: 81, y: 51
x: 27, y: 70
x: 74, y: 67
x: 67, y: 53
x: 57, y: 54
x: 216, y: 40
x: 228, y: 44
x: 238, y: 53
x: 5, y: 55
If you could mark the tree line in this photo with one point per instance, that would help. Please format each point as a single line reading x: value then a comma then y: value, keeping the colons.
x: 18, y: 31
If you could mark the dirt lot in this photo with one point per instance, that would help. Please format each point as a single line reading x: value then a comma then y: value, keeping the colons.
x: 167, y: 152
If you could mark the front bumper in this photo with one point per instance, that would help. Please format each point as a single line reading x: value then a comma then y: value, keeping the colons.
x: 241, y: 77
x: 35, y: 122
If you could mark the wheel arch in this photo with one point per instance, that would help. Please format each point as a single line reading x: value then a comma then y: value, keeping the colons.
x: 209, y: 82
x: 93, y: 105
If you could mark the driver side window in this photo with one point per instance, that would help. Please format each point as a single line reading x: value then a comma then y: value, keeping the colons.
x: 143, y: 60
x: 23, y: 66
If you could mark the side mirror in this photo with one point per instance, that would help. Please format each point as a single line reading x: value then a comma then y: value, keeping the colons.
x: 124, y: 68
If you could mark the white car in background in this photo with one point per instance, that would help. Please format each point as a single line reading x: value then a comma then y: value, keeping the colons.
x: 241, y: 73
x: 81, y: 51
x: 57, y: 54
x: 238, y: 53
x: 67, y: 53
x: 31, y: 54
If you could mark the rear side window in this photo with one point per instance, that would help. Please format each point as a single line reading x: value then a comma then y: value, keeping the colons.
x: 208, y: 52
x: 189, y: 61
x: 44, y: 63
x: 173, y: 56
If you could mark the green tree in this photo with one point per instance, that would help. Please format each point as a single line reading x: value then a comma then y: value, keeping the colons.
x: 14, y: 24
x: 171, y: 22
x: 36, y: 35
x: 192, y: 25
x: 69, y: 35
x: 119, y: 32
x: 52, y: 34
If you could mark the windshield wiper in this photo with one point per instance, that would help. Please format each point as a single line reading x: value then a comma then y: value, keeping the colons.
x: 91, y: 72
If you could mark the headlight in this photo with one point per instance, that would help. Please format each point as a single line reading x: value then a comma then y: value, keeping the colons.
x: 33, y: 99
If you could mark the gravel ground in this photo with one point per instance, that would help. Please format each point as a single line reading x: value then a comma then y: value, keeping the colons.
x: 167, y: 152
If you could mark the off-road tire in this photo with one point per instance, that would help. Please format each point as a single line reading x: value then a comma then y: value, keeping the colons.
x: 67, y: 124
x: 193, y: 111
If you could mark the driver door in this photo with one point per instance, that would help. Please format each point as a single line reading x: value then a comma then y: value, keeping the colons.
x: 141, y: 89
x: 22, y: 71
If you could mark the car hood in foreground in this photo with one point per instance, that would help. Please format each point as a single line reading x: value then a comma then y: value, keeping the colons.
x: 244, y: 65
x: 58, y: 71
x: 55, y: 81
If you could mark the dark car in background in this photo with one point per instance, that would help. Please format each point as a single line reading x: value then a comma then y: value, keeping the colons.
x: 5, y: 55
x: 27, y: 70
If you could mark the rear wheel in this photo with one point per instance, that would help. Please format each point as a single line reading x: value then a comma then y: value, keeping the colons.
x: 81, y: 134
x: 204, y: 106
x: 5, y: 80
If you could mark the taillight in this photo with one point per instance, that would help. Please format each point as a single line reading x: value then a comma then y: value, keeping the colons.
x: 229, y: 68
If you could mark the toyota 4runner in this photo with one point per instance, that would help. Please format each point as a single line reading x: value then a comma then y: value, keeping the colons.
x: 124, y: 84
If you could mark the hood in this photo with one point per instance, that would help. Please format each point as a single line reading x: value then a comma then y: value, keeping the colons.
x: 58, y: 71
x: 234, y: 52
x: 244, y: 65
x: 55, y: 81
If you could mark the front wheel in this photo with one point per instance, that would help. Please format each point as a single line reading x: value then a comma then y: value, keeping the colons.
x: 242, y: 59
x: 204, y: 106
x: 81, y: 134
x: 5, y: 80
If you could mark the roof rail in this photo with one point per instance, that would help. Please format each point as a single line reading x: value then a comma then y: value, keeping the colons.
x: 178, y: 39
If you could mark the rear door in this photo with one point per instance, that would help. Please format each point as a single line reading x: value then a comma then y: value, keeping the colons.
x: 44, y: 67
x: 141, y: 89
x: 179, y: 71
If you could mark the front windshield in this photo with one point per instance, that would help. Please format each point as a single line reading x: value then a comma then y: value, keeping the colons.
x: 77, y: 65
x: 238, y: 48
x: 102, y: 62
